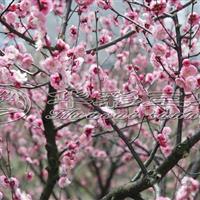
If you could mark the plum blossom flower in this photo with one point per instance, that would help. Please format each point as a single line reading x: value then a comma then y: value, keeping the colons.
x: 162, y: 140
x: 63, y: 181
x: 95, y: 70
x: 37, y: 123
x: 158, y: 7
x: 55, y: 80
x: 58, y: 7
x: 186, y: 62
x: 79, y: 51
x: 154, y: 61
x: 180, y: 82
x: 16, y: 115
x: 37, y: 20
x: 126, y: 157
x: 39, y: 44
x: 168, y: 90
x: 25, y: 5
x: 45, y: 6
x: 194, y: 18
x: 145, y: 109
x: 22, y: 195
x: 4, y: 74
x: 159, y: 49
x: 14, y: 183
x: 88, y: 130
x: 166, y: 130
x: 11, y: 52
x: 1, y: 7
x: 141, y: 61
x: 190, y: 70
x: 105, y: 4
x: 4, y: 181
x: 31, y: 118
x: 99, y: 153
x: 106, y: 21
x: 133, y: 15
x: 104, y: 120
x: 77, y: 64
x: 104, y: 38
x: 27, y: 60
x: 10, y: 17
x: 51, y: 64
x: 189, y: 187
x: 189, y: 84
x: 61, y: 45
x: 73, y: 31
x: 29, y: 175
x: 158, y: 32
x: 149, y: 78
x: 95, y: 95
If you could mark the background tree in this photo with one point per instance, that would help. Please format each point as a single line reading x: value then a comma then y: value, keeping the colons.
x: 99, y: 99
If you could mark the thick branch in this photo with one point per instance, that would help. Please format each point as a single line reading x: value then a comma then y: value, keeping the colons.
x: 133, y: 189
x: 182, y: 95
x: 51, y: 147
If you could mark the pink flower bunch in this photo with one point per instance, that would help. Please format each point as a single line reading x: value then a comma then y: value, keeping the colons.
x: 58, y: 7
x: 63, y: 181
x: 73, y: 31
x: 145, y: 109
x: 133, y: 15
x: 194, y: 18
x: 13, y: 184
x: 189, y: 187
x: 168, y: 90
x: 188, y: 78
x: 56, y: 80
x: 104, y: 38
x: 163, y: 140
x: 104, y: 4
x: 26, y: 60
x: 44, y: 6
x: 159, y: 49
x: 158, y: 32
x: 158, y: 7
x: 6, y: 182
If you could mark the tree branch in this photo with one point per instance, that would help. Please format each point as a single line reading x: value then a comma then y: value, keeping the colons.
x: 66, y: 19
x: 115, y: 41
x: 115, y: 127
x: 133, y: 189
x: 51, y: 147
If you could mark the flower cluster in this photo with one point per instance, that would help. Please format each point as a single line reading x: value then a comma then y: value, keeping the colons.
x: 189, y: 187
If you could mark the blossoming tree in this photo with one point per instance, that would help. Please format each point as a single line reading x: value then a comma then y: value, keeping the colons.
x: 104, y: 108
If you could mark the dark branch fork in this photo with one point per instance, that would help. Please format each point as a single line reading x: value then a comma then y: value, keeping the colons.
x: 133, y: 189
x: 116, y: 129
